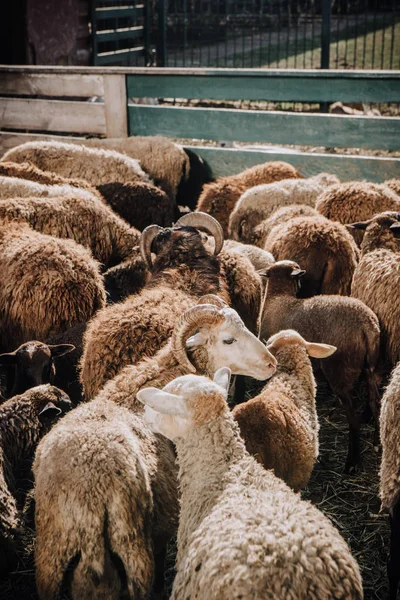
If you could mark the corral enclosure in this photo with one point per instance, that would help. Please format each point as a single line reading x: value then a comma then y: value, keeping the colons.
x: 50, y: 100
x: 52, y: 103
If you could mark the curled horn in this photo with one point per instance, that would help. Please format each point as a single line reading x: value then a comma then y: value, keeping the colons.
x: 191, y: 320
x: 204, y: 221
x: 212, y: 299
x: 146, y: 239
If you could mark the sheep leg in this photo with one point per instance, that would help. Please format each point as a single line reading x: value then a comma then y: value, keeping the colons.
x: 393, y: 564
x: 374, y: 402
x: 353, y: 455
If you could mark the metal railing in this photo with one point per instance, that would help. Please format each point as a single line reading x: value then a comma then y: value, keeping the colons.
x: 351, y: 34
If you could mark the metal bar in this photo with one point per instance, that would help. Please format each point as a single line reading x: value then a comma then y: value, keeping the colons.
x: 94, y: 31
x: 162, y: 33
x: 147, y: 32
x: 325, y: 34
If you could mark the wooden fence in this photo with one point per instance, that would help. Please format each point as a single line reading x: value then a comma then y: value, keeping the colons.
x: 43, y: 102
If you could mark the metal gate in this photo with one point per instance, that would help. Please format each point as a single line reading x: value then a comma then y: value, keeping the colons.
x: 120, y: 32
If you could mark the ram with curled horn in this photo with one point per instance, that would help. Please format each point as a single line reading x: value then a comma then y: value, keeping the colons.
x: 182, y: 270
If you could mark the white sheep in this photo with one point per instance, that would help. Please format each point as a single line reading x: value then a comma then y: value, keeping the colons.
x: 105, y: 485
x: 242, y: 532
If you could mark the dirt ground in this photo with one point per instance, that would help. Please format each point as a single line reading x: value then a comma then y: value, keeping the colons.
x: 351, y: 502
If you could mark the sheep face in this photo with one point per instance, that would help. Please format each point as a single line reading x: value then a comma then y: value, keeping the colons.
x: 289, y: 337
x: 32, y: 364
x: 185, y: 402
x: 229, y: 343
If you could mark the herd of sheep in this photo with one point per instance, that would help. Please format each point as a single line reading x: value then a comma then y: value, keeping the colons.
x: 132, y: 288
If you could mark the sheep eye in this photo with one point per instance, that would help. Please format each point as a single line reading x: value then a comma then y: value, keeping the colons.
x: 229, y: 341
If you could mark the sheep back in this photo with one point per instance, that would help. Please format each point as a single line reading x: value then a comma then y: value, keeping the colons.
x: 48, y: 284
x: 219, y: 198
x: 376, y: 282
x: 94, y: 165
x: 324, y: 249
x: 389, y: 484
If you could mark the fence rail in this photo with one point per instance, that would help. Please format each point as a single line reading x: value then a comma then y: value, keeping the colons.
x: 31, y: 108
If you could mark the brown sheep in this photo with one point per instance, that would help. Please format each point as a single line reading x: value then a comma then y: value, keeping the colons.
x: 47, y: 285
x: 389, y: 484
x: 280, y: 425
x: 279, y: 217
x: 356, y: 201
x: 219, y: 198
x: 28, y: 171
x: 139, y: 203
x: 87, y: 221
x: 163, y: 160
x: 376, y: 280
x: 183, y: 271
x: 24, y: 420
x: 326, y: 251
x: 345, y: 323
x: 118, y: 178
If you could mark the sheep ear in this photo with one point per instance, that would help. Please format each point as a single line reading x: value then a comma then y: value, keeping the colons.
x: 320, y: 350
x: 49, y: 412
x: 9, y: 358
x: 60, y: 349
x: 162, y: 402
x: 360, y: 225
x: 222, y: 377
x: 198, y: 339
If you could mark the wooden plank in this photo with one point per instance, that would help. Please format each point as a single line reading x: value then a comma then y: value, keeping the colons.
x: 279, y: 89
x: 228, y: 161
x: 52, y: 115
x: 120, y: 34
x: 10, y: 140
x: 79, y: 85
x: 265, y: 127
x: 115, y: 103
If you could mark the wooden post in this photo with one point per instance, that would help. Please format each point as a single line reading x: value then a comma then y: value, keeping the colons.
x: 325, y: 43
x: 115, y: 105
x: 162, y: 33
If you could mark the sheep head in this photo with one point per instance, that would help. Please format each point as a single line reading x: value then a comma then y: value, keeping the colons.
x: 290, y: 337
x: 30, y: 365
x: 184, y: 236
x: 283, y: 277
x: 185, y: 402
x: 216, y: 335
x: 381, y: 231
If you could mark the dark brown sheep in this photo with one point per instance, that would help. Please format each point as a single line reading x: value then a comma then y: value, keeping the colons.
x: 30, y: 365
x: 346, y: 323
x: 24, y: 419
